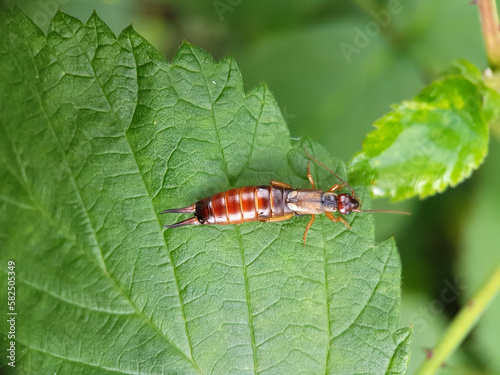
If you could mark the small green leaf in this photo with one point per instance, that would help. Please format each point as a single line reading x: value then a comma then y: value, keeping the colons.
x: 431, y: 142
x: 98, y: 135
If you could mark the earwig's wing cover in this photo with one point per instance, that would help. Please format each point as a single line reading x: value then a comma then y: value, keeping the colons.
x: 99, y: 135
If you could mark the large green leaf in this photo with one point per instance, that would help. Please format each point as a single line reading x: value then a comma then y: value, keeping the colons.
x: 431, y: 142
x: 98, y: 135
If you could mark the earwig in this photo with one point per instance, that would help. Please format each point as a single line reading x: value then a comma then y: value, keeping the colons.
x: 275, y: 202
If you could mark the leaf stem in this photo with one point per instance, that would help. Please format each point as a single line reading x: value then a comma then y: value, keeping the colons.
x: 489, y: 22
x: 462, y: 324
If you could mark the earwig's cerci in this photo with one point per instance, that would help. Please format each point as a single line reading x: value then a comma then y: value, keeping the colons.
x: 275, y: 202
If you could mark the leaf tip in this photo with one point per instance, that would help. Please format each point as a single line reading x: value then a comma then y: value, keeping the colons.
x: 94, y: 18
x: 63, y: 21
x: 129, y: 30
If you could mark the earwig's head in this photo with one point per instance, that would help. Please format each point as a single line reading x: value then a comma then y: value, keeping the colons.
x: 346, y: 203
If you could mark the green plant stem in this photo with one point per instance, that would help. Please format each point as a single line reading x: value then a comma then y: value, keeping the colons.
x: 489, y: 22
x: 462, y: 324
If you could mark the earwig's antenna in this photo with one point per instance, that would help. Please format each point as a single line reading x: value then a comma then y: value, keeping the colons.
x: 385, y: 211
x: 352, y: 191
x: 332, y: 172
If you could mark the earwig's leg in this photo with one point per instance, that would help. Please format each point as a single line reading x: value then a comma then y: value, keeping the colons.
x: 335, y: 187
x: 190, y: 221
x: 337, y: 219
x: 307, y: 228
x: 310, y: 177
x: 185, y: 210
x: 278, y: 218
x: 280, y: 184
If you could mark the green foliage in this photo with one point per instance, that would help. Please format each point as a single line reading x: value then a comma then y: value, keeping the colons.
x: 481, y: 256
x: 98, y: 135
x: 431, y: 142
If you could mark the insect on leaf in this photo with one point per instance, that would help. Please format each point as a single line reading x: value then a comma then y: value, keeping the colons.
x: 98, y: 135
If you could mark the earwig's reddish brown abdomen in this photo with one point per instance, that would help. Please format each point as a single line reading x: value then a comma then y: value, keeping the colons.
x: 236, y: 206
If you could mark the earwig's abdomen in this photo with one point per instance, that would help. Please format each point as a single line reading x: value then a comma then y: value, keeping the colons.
x: 247, y: 196
x: 249, y: 203
x: 233, y: 206
x: 263, y: 202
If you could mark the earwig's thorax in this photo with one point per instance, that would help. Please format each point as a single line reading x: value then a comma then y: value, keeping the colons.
x: 329, y: 201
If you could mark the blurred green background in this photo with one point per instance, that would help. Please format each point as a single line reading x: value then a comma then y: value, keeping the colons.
x: 334, y: 68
